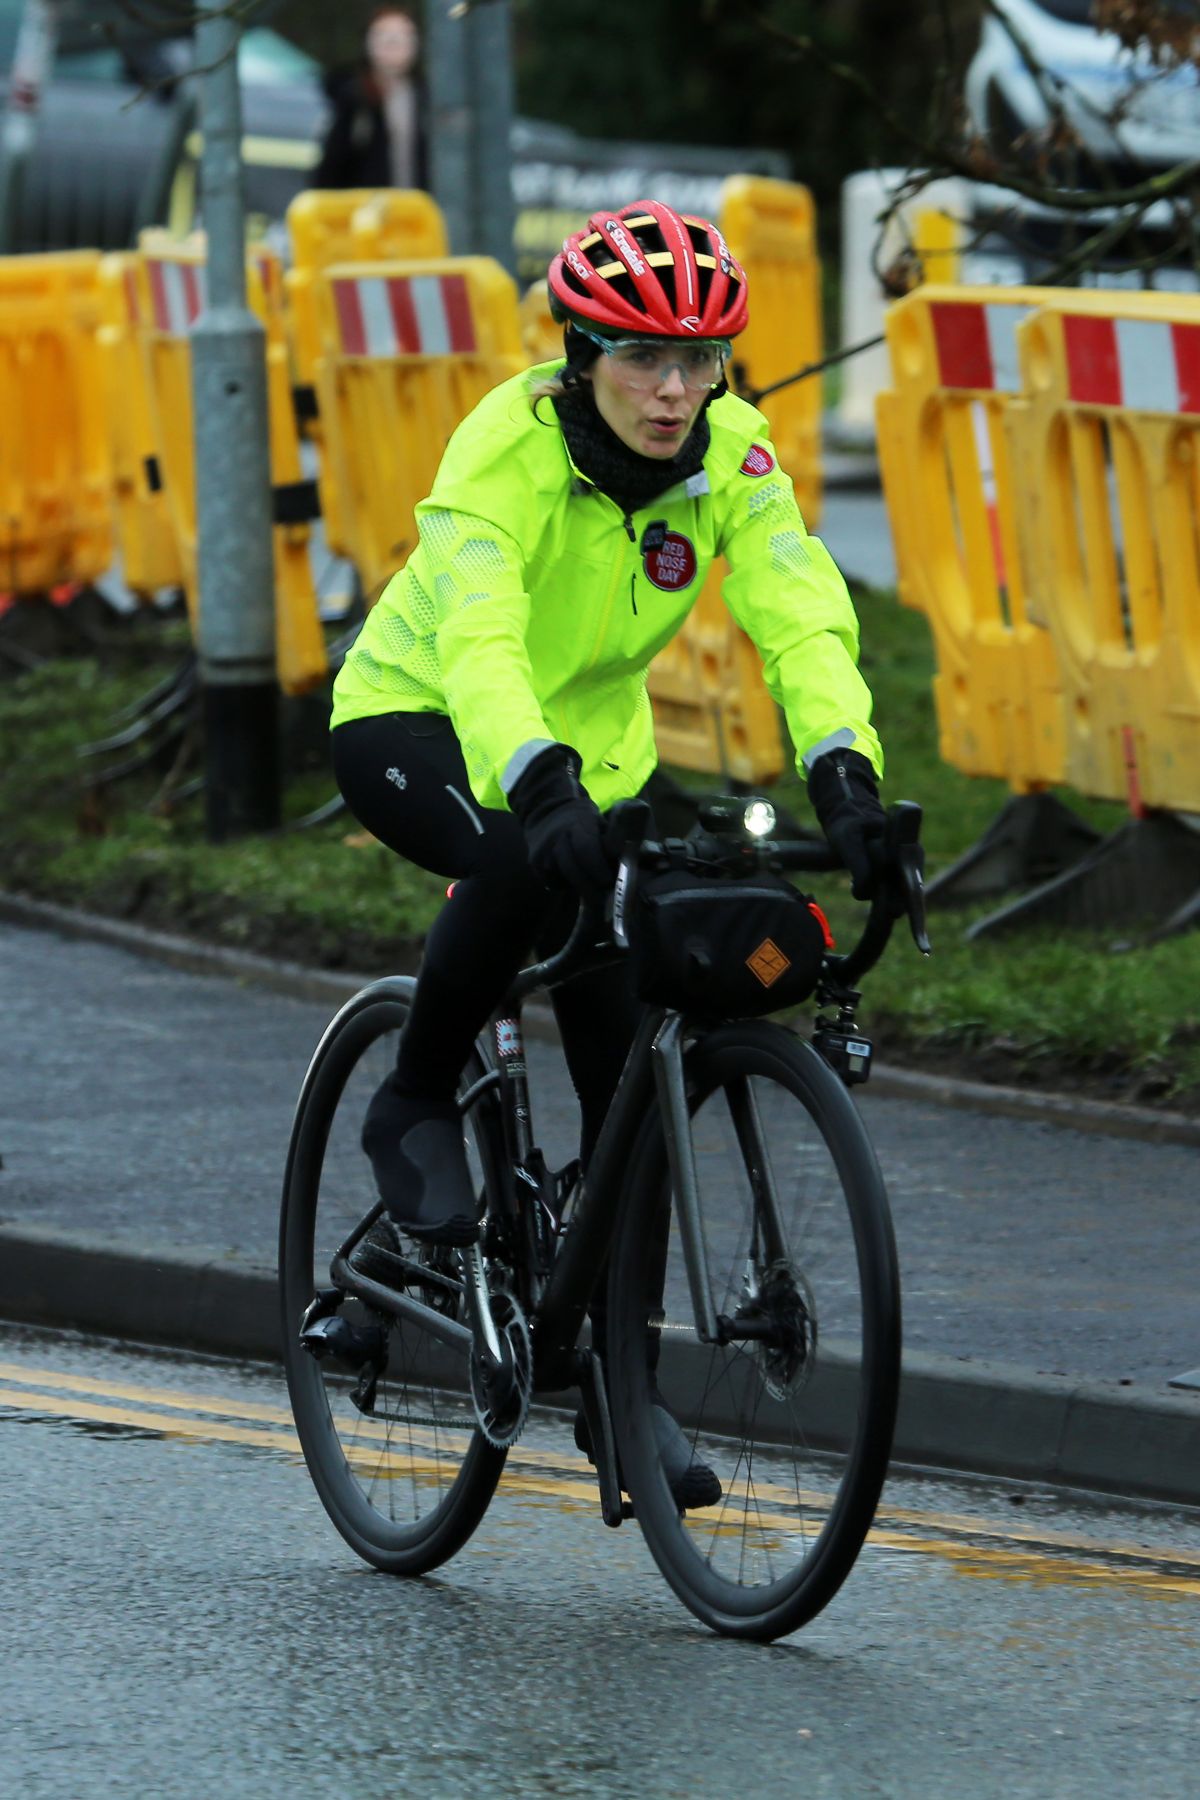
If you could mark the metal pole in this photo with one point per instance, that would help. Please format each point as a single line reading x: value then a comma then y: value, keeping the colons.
x: 450, y: 124
x: 32, y: 61
x: 233, y: 479
x: 491, y: 78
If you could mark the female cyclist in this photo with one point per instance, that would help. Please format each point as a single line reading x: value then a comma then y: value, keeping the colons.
x: 494, y: 705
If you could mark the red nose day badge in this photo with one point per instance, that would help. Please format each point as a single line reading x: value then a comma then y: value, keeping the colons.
x: 668, y: 558
x: 759, y: 461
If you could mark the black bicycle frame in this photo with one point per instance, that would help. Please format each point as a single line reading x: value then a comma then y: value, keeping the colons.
x: 653, y: 1068
x: 654, y: 1065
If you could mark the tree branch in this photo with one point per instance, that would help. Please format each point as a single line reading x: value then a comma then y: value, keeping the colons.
x: 976, y: 163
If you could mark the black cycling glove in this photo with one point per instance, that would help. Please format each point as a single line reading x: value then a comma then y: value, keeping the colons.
x: 562, y: 823
x: 845, y: 798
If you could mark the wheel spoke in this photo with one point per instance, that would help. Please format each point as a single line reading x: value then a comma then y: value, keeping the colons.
x: 407, y: 1481
x: 794, y: 1419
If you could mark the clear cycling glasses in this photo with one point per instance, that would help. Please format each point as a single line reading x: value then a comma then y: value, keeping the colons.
x: 646, y: 363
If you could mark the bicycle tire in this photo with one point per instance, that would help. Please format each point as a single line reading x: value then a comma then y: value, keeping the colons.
x: 822, y: 1413
x: 356, y: 1461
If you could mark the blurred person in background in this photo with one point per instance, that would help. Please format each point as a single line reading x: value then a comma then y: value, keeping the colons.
x: 377, y: 134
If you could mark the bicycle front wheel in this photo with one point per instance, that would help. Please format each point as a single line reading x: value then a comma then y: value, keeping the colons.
x: 385, y: 1419
x: 794, y: 1403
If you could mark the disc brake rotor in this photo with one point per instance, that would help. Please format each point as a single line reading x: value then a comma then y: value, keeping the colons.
x: 787, y: 1363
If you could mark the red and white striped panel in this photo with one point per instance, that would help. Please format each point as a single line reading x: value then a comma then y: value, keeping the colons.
x: 981, y: 427
x: 1147, y: 365
x: 178, y: 294
x: 404, y: 315
x: 977, y: 343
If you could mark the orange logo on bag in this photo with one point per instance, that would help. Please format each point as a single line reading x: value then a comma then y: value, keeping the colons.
x: 768, y: 963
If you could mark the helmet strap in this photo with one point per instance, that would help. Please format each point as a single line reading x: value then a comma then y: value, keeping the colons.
x: 580, y: 352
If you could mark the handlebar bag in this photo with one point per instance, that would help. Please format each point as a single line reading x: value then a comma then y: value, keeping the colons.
x: 736, y: 948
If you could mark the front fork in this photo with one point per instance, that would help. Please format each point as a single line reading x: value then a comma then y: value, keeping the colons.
x: 671, y: 1083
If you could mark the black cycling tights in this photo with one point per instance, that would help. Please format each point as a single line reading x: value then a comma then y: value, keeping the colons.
x: 404, y: 778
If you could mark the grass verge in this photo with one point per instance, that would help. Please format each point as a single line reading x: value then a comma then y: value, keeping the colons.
x: 1054, y: 1009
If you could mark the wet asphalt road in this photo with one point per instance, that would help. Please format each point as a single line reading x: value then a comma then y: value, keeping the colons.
x: 181, y: 1621
x: 854, y: 527
x: 148, y: 1106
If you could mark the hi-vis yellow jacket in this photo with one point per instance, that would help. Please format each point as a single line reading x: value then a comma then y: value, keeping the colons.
x: 531, y: 608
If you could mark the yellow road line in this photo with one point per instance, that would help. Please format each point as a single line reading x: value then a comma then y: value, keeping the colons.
x: 85, y: 1384
x: 784, y: 1513
x: 162, y: 1424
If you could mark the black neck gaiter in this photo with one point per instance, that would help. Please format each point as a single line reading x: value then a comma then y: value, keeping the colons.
x: 629, y: 479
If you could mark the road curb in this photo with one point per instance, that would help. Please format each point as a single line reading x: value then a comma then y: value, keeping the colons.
x: 983, y: 1417
x: 300, y: 982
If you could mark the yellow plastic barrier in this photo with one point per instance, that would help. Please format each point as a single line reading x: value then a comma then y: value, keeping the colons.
x: 541, y: 334
x: 348, y: 225
x: 1109, y: 438
x: 408, y: 349
x: 770, y: 227
x: 344, y: 225
x: 395, y: 225
x: 171, y: 291
x: 55, y: 473
x: 950, y: 487
x: 150, y: 555
x: 711, y: 709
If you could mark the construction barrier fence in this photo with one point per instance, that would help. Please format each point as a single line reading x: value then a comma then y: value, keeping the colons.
x: 377, y: 345
x: 952, y: 497
x: 1039, y: 450
x: 1109, y: 434
x: 408, y: 349
x: 55, y: 462
x: 169, y: 292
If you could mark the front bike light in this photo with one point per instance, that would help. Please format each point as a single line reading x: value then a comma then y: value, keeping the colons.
x: 759, y: 818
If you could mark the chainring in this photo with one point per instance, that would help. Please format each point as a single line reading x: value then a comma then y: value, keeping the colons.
x: 501, y: 1415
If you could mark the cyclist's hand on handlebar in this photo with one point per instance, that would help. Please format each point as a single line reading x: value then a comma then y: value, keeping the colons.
x: 563, y: 826
x: 845, y: 798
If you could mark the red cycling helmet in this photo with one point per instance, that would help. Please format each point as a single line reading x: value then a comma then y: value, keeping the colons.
x: 648, y: 271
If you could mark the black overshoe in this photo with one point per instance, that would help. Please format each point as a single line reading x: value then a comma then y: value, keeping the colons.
x: 379, y: 1254
x: 420, y: 1165
x: 692, y: 1483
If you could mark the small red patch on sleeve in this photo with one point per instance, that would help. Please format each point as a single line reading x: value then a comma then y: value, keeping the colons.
x: 823, y: 922
x: 759, y: 461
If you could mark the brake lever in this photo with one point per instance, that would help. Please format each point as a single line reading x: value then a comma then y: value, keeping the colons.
x: 906, y: 859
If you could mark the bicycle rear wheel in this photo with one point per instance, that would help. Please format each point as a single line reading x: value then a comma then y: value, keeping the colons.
x: 388, y: 1429
x: 795, y: 1411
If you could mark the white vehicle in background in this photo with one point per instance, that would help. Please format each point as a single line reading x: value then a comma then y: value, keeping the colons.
x: 1132, y: 121
x: 1131, y: 118
x: 1128, y: 115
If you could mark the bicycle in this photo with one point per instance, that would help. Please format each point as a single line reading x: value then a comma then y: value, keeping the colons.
x: 753, y: 1282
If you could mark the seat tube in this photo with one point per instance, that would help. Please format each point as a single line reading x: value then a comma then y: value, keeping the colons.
x: 509, y: 1041
x: 667, y: 1054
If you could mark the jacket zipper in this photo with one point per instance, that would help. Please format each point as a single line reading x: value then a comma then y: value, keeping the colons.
x: 632, y: 536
